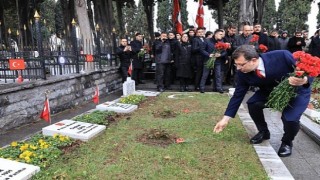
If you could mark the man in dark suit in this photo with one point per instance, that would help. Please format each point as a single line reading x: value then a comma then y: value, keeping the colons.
x: 266, y: 72
x: 137, y: 61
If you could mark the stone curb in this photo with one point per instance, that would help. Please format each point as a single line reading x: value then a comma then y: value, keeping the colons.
x: 271, y: 162
x: 311, y: 128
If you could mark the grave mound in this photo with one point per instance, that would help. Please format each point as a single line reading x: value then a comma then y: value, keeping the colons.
x: 157, y: 137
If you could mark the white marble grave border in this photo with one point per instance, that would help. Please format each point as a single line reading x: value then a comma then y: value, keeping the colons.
x: 46, y: 131
x: 22, y: 171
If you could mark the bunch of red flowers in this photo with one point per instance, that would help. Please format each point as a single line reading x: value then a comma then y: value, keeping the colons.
x: 219, y: 47
x: 262, y: 48
x: 281, y: 95
x: 254, y: 39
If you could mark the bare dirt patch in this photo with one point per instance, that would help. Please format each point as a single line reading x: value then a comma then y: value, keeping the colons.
x: 165, y: 114
x: 157, y: 137
x: 71, y: 147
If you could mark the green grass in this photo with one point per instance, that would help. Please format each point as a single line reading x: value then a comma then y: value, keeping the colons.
x: 116, y: 154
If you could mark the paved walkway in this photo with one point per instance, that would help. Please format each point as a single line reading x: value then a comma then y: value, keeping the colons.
x: 303, y: 164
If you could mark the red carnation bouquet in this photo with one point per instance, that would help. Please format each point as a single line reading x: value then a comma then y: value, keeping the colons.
x: 262, y: 48
x: 254, y: 40
x: 281, y: 95
x: 219, y: 47
x: 145, y: 49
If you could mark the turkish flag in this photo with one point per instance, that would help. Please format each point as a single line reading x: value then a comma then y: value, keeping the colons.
x: 89, y: 57
x: 45, y: 114
x: 95, y: 98
x: 16, y: 64
x: 176, y: 16
x: 130, y: 69
x: 200, y: 15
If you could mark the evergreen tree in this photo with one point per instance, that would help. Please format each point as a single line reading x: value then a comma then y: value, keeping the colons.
x: 293, y: 15
x: 164, y: 19
x: 230, y: 13
x: 184, y: 14
x: 269, y: 18
x: 140, y: 23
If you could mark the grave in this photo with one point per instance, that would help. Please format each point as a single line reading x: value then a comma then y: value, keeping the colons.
x: 129, y: 86
x: 12, y: 170
x: 74, y: 129
x: 116, y: 107
x: 146, y: 93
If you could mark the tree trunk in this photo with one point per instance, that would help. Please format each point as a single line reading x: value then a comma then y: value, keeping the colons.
x: 220, y: 14
x: 120, y: 17
x: 149, y: 12
x: 84, y: 23
x: 246, y: 13
x: 258, y: 10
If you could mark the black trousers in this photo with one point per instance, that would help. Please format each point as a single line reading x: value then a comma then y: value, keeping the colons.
x: 163, y: 75
x: 124, y: 72
x: 137, y: 74
x: 290, y: 128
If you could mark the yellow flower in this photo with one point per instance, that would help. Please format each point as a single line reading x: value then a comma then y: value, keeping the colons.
x: 27, y: 159
x: 41, y: 141
x: 24, y: 147
x: 55, y: 135
x: 33, y: 147
x: 14, y: 144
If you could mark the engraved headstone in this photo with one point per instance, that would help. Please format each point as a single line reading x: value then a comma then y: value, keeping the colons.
x: 146, y: 93
x: 74, y: 129
x: 117, y: 107
x: 129, y: 86
x: 13, y: 170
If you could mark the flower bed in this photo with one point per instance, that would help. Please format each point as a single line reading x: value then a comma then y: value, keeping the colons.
x: 39, y: 150
x: 97, y: 117
x: 134, y: 99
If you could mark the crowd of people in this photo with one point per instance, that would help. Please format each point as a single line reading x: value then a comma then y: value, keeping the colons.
x: 184, y: 56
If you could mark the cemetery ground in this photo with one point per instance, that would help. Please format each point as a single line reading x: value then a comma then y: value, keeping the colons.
x: 166, y: 138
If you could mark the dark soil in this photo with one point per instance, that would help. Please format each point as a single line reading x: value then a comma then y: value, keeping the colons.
x: 157, y: 137
x: 165, y: 114
x: 71, y: 147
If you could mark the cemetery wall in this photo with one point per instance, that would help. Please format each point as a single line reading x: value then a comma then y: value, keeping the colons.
x: 22, y: 103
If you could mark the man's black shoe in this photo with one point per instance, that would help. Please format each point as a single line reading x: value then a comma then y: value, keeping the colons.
x: 196, y: 89
x: 285, y: 150
x: 258, y: 138
x: 201, y: 91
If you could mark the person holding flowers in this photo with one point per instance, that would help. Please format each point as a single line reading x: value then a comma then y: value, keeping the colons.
x: 266, y: 72
x: 214, y: 51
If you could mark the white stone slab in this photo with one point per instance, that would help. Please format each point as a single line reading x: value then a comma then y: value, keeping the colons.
x: 74, y: 129
x: 312, y: 113
x: 13, y: 170
x: 117, y: 107
x: 231, y: 91
x: 147, y: 93
x: 129, y: 86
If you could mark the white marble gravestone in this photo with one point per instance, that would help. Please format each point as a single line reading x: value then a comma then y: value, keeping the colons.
x: 13, y: 170
x: 117, y: 107
x: 129, y: 86
x: 74, y: 129
x: 146, y: 93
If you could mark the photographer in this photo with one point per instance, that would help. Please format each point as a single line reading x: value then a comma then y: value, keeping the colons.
x: 124, y: 51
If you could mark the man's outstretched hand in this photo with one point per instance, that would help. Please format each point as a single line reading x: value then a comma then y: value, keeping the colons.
x: 221, y: 124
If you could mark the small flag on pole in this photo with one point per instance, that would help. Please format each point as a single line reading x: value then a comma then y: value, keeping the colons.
x: 130, y: 69
x: 200, y: 14
x: 95, y: 98
x: 45, y: 114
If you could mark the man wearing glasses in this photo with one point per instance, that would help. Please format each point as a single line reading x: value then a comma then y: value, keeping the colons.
x: 266, y: 72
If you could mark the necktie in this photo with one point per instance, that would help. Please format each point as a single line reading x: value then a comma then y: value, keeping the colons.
x: 259, y: 74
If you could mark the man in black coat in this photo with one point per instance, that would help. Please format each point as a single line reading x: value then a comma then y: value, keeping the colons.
x: 197, y: 57
x: 124, y: 51
x: 137, y: 61
x: 163, y: 60
x: 296, y: 42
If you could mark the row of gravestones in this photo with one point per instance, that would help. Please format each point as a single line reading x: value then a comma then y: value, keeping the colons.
x: 12, y: 170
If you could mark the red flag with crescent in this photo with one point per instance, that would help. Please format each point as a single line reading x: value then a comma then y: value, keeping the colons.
x: 95, y: 98
x: 176, y: 16
x: 16, y: 64
x: 45, y: 114
x: 130, y: 69
x: 200, y: 14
